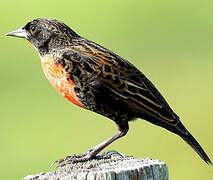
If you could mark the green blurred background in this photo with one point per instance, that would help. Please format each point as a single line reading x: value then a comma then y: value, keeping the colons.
x: 170, y: 41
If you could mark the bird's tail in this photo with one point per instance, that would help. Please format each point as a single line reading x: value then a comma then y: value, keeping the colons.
x: 180, y: 130
x: 196, y: 146
x: 186, y: 136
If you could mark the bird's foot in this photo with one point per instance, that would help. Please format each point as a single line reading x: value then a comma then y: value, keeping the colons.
x: 75, y: 158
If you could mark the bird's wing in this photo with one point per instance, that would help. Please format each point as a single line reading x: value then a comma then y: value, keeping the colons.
x: 136, y: 90
x: 120, y: 77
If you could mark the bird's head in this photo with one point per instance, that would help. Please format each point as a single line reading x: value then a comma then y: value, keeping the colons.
x: 45, y: 33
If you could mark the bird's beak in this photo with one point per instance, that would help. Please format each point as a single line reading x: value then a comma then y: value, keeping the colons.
x: 20, y: 32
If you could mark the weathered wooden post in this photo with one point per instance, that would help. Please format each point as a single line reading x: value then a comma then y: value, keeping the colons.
x: 109, y: 165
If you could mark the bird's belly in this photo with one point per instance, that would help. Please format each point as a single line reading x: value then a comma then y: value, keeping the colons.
x: 59, y: 78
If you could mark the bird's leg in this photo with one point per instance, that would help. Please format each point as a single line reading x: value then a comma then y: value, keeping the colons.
x: 95, y: 150
x: 91, y: 153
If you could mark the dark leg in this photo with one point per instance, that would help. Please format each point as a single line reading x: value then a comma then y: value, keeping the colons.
x: 95, y: 150
x: 91, y: 153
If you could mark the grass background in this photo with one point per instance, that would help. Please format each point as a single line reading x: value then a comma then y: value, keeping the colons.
x: 170, y: 41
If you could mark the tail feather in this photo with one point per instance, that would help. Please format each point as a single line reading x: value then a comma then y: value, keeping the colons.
x: 180, y: 130
x: 196, y: 146
x: 189, y: 139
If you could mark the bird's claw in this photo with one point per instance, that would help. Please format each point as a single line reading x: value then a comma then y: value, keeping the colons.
x: 73, y: 159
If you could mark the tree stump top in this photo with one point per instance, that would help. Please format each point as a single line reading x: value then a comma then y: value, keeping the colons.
x: 109, y: 165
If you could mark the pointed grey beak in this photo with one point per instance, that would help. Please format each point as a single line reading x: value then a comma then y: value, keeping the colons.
x: 20, y: 32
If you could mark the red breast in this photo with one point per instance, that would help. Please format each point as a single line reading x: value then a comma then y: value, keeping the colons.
x: 59, y: 78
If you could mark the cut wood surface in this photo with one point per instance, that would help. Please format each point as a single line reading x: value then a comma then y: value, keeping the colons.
x: 109, y: 165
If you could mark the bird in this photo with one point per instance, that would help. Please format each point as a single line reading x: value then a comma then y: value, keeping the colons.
x: 96, y: 79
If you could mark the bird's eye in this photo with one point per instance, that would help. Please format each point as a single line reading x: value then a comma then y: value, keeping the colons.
x: 32, y: 28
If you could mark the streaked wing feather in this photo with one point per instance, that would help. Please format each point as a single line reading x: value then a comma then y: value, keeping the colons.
x: 122, y: 78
